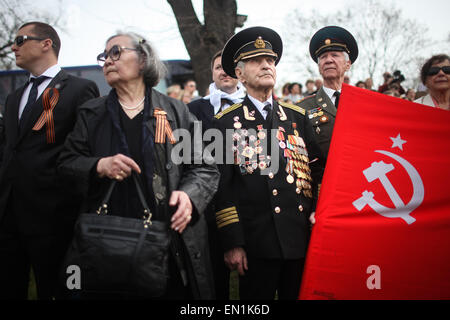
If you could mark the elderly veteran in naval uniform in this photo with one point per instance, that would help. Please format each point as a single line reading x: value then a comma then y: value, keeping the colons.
x: 262, y: 213
x: 334, y: 49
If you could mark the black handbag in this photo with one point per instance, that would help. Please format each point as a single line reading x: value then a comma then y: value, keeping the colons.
x: 120, y: 255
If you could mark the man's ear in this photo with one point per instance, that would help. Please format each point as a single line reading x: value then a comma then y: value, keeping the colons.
x: 239, y: 74
x: 47, y: 44
x: 348, y: 65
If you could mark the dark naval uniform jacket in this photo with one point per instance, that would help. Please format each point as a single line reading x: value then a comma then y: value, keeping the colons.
x: 321, y: 112
x: 267, y: 214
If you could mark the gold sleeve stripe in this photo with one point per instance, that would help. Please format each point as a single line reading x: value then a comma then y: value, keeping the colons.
x: 231, y: 108
x: 225, y: 210
x: 227, y: 223
x: 293, y: 107
x: 226, y: 214
x: 234, y: 216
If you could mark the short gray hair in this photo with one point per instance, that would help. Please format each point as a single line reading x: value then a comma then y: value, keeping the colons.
x: 240, y: 65
x: 154, y: 69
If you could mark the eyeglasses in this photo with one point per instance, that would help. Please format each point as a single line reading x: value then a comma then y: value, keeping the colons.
x: 435, y: 70
x: 113, y: 53
x: 20, y: 40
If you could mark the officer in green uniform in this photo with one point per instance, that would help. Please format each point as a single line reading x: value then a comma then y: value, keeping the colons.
x: 267, y: 192
x: 334, y: 49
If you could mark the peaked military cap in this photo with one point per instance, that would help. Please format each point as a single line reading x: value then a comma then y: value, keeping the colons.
x: 333, y: 38
x: 249, y: 43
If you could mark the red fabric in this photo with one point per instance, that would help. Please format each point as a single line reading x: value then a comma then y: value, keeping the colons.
x: 413, y: 256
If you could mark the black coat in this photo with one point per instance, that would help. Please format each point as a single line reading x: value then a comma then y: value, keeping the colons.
x: 91, y: 140
x: 204, y: 111
x: 265, y: 214
x: 28, y: 176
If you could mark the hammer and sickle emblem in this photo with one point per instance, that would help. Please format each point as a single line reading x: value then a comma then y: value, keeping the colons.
x: 378, y: 170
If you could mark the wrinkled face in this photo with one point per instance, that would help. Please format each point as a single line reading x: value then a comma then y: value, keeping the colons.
x: 30, y: 51
x: 439, y: 81
x: 259, y: 73
x: 223, y: 81
x: 333, y: 65
x: 127, y: 68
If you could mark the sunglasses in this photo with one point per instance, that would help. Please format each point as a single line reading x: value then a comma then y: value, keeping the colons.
x: 113, y: 53
x: 20, y: 40
x: 435, y: 70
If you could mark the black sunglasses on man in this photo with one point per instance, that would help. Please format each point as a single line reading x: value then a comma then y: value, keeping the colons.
x: 20, y: 40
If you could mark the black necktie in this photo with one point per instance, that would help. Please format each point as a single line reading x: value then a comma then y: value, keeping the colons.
x: 337, y: 95
x: 268, y: 108
x: 31, y: 99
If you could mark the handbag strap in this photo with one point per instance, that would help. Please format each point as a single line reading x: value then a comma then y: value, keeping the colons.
x: 103, y: 209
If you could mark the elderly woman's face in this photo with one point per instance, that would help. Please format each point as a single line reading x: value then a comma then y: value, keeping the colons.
x: 439, y: 81
x: 127, y: 67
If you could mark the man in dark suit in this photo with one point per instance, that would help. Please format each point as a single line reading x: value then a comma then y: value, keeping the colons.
x: 37, y: 207
x: 266, y: 194
x: 334, y: 50
x: 224, y: 91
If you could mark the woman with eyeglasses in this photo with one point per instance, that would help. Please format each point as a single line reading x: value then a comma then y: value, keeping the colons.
x: 435, y: 75
x: 130, y: 131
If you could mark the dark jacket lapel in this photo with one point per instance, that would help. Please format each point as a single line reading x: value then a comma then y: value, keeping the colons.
x: 12, y: 113
x: 256, y: 114
x: 58, y: 82
x: 325, y: 102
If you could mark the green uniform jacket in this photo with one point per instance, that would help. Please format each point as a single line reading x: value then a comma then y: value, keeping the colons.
x: 321, y: 113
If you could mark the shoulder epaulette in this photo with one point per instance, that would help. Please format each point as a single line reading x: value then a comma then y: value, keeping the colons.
x: 306, y: 98
x: 293, y: 107
x: 229, y: 109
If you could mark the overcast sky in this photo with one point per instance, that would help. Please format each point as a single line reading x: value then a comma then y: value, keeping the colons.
x: 91, y: 22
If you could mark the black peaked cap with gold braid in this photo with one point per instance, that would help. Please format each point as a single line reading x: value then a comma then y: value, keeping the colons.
x: 249, y: 43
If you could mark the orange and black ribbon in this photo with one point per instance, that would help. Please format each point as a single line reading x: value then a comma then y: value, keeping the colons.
x: 47, y: 115
x: 163, y: 128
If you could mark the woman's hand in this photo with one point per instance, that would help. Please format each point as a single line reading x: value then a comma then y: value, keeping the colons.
x: 183, y: 215
x: 116, y: 167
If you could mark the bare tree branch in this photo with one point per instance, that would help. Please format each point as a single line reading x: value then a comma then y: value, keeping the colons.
x: 203, y: 40
x: 14, y: 13
x: 386, y: 40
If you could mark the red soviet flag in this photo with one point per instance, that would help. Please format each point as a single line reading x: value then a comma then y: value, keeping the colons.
x: 383, y: 217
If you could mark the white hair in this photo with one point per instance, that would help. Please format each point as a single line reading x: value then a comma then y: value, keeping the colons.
x: 240, y: 65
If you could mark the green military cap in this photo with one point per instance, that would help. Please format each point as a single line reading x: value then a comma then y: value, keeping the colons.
x: 249, y: 43
x: 333, y: 38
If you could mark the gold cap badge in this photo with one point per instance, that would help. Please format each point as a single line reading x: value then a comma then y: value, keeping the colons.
x: 327, y: 41
x: 259, y: 43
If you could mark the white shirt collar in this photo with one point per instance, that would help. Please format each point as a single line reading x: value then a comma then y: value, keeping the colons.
x: 330, y: 93
x: 260, y: 105
x: 50, y: 72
